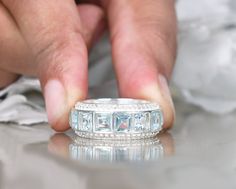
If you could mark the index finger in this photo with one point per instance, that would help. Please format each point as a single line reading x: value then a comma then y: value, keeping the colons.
x: 52, y: 30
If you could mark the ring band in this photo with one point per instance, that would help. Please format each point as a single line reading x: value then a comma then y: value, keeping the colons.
x: 115, y: 151
x: 119, y: 118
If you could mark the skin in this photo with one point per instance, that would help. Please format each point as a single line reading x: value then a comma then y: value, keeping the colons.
x: 51, y: 40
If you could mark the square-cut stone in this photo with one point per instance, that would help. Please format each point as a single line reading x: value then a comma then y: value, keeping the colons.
x: 141, y: 122
x: 73, y: 151
x: 86, y: 153
x: 156, y: 120
x: 74, y: 119
x: 102, y: 153
x: 103, y: 122
x: 86, y: 121
x: 122, y: 122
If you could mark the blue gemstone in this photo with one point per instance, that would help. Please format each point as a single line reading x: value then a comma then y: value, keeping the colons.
x: 74, y: 119
x: 103, y: 153
x: 103, y: 122
x: 73, y: 151
x: 122, y: 121
x: 141, y: 121
x: 156, y: 120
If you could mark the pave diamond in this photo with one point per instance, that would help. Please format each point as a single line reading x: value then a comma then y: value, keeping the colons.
x: 141, y: 122
x: 74, y: 119
x: 156, y: 120
x: 86, y: 121
x: 103, y: 122
x: 122, y: 122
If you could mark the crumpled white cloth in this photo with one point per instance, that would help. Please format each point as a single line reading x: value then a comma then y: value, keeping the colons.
x: 205, y: 58
x: 207, y: 54
x: 22, y: 102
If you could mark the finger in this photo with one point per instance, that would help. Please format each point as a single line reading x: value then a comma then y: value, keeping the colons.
x: 21, y: 61
x: 6, y: 78
x: 53, y: 31
x: 15, y: 56
x: 93, y: 23
x: 143, y: 45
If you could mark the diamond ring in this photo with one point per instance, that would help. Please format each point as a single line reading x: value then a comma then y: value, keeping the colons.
x: 115, y: 151
x: 119, y: 118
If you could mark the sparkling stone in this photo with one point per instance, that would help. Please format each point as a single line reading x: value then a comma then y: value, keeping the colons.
x: 86, y: 121
x: 103, y: 153
x: 86, y: 153
x: 141, y: 122
x: 73, y: 151
x: 74, y: 119
x: 122, y: 122
x: 156, y: 152
x: 103, y: 122
x: 156, y: 120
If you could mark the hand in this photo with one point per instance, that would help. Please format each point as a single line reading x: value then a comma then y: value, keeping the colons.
x: 51, y: 39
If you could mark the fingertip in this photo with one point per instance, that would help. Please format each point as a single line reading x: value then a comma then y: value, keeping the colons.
x: 61, y: 124
x: 169, y: 104
x: 159, y: 92
x: 59, y: 101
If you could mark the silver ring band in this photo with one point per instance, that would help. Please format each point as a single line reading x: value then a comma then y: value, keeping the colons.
x: 118, y: 118
x: 115, y: 151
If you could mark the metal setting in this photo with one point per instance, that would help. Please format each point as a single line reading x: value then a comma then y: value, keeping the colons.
x: 118, y: 118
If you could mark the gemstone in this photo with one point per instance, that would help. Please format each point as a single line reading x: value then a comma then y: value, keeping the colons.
x: 122, y: 122
x: 156, y: 152
x: 74, y: 119
x: 102, y: 153
x: 141, y: 122
x: 156, y: 120
x: 73, y: 151
x: 86, y: 153
x: 86, y: 119
x: 103, y: 122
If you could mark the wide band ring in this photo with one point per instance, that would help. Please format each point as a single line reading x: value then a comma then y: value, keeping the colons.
x: 115, y: 151
x: 118, y: 118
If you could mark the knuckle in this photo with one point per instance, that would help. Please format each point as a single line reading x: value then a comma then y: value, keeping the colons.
x: 53, y: 55
x: 49, y: 58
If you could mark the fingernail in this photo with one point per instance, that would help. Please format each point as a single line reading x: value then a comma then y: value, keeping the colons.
x: 165, y: 88
x: 55, y: 99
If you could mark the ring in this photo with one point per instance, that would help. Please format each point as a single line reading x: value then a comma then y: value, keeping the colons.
x: 116, y: 118
x: 115, y: 151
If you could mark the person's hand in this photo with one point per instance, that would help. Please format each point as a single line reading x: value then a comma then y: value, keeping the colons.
x: 51, y: 39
